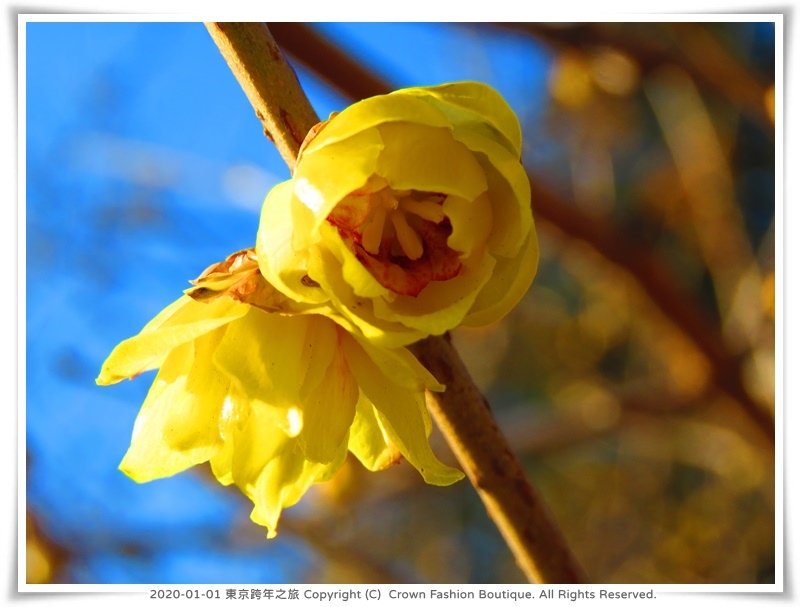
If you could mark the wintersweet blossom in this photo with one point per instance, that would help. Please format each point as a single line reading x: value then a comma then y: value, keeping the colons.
x: 272, y: 393
x: 408, y: 213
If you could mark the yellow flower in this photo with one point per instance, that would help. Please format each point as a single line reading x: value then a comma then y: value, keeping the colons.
x: 272, y: 393
x: 408, y: 212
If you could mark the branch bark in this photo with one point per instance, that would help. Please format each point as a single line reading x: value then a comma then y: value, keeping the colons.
x: 465, y: 418
x: 462, y: 412
x: 269, y: 82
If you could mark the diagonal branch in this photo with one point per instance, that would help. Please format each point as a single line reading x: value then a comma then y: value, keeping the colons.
x: 269, y: 82
x: 466, y: 420
x: 650, y: 271
x: 462, y: 411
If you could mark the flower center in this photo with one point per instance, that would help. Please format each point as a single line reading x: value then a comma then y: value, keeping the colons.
x: 399, y: 235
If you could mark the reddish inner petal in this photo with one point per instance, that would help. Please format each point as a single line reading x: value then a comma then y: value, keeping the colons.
x: 351, y: 212
x: 391, y: 261
x: 402, y: 275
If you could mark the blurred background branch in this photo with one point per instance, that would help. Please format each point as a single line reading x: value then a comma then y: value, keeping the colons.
x: 688, y: 46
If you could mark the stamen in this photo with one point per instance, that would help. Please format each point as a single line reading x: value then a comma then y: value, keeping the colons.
x: 427, y: 209
x: 388, y: 199
x: 373, y: 230
x: 409, y: 240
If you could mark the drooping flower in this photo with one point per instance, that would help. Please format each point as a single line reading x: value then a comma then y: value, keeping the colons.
x: 270, y: 392
x: 409, y: 213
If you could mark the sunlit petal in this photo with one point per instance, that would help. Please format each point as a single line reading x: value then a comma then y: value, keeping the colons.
x: 402, y: 415
x: 368, y: 441
x: 328, y: 412
x: 369, y: 113
x: 284, y: 480
x: 471, y: 220
x: 429, y: 159
x: 152, y: 454
x: 148, y: 349
x: 441, y: 305
x: 318, y: 188
x: 511, y: 280
x: 264, y: 354
x: 284, y: 266
x: 509, y: 192
x: 473, y: 104
x: 357, y: 310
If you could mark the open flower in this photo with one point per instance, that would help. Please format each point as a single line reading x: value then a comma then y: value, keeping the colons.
x: 270, y: 392
x: 408, y: 212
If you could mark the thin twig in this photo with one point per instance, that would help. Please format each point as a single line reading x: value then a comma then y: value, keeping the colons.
x: 650, y: 271
x: 462, y: 412
x: 269, y: 82
x: 464, y: 417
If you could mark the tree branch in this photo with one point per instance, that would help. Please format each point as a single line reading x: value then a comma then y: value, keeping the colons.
x: 461, y: 412
x: 269, y: 82
x: 465, y: 418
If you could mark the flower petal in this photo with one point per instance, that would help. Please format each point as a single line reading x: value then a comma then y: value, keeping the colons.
x: 176, y: 426
x: 284, y: 480
x: 474, y: 104
x: 417, y: 157
x: 319, y: 188
x: 263, y: 354
x: 233, y: 417
x: 509, y: 189
x: 284, y: 266
x: 319, y: 351
x: 364, y: 284
x: 256, y: 443
x: 368, y: 442
x: 402, y: 415
x: 328, y: 412
x: 471, y: 221
x: 327, y: 271
x: 510, y: 281
x: 399, y: 365
x: 372, y: 112
x: 193, y: 421
x: 176, y: 309
x: 187, y: 320
x: 441, y: 305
